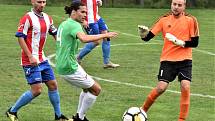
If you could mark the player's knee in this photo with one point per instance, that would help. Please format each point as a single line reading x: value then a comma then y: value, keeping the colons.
x: 185, y: 85
x: 96, y: 90
x: 160, y: 90
x: 37, y: 92
x: 185, y: 88
x: 161, y: 87
x: 36, y: 89
x: 52, y: 85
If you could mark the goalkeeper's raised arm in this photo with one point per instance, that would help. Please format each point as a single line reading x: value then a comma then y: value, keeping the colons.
x: 144, y: 33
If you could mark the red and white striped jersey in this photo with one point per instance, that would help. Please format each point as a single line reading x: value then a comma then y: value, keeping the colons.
x: 34, y: 28
x: 92, y: 10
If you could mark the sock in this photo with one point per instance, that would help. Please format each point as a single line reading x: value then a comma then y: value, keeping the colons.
x: 87, y: 48
x: 88, y: 100
x: 23, y: 100
x: 181, y: 120
x: 81, y: 97
x: 55, y: 101
x: 184, y: 104
x: 106, y: 50
x: 150, y: 99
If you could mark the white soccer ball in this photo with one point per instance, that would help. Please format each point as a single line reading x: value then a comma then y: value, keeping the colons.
x: 134, y: 114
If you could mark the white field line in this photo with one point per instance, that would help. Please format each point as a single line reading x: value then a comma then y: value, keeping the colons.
x: 133, y: 85
x: 132, y: 35
x: 128, y: 44
x: 205, y: 52
x: 148, y: 87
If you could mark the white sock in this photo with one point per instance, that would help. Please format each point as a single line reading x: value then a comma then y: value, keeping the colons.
x: 87, y: 102
x: 81, y: 97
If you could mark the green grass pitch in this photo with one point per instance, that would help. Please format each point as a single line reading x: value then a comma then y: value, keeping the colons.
x: 121, y: 88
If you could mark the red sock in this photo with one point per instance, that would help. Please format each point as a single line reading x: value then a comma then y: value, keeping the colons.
x: 181, y: 120
x: 150, y: 99
x: 184, y: 104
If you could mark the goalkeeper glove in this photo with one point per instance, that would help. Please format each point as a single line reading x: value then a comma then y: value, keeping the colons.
x: 173, y: 39
x: 143, y: 30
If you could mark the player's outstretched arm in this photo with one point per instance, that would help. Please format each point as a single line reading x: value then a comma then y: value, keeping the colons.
x: 91, y: 38
x: 144, y: 33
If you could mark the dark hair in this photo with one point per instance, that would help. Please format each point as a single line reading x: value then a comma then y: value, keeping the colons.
x: 75, y: 1
x: 73, y: 6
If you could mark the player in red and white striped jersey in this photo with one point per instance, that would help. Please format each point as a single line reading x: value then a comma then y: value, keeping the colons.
x: 33, y: 28
x: 92, y: 10
x: 96, y: 25
x: 32, y: 34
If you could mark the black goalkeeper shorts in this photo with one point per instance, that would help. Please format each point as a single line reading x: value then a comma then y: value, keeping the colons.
x: 169, y: 70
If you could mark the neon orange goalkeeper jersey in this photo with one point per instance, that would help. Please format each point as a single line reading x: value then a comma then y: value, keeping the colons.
x: 183, y: 27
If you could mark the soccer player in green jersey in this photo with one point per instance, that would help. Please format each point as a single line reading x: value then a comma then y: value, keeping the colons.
x: 69, y: 35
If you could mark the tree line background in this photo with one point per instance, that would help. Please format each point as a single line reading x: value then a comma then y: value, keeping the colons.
x: 125, y: 3
x: 157, y: 3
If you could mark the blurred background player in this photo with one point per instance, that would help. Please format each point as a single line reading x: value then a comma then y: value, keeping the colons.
x: 180, y: 33
x: 69, y: 35
x: 96, y: 25
x: 32, y: 34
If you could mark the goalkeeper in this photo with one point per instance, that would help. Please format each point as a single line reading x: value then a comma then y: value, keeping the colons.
x: 180, y: 34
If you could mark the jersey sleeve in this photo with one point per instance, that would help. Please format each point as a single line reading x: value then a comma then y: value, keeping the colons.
x: 77, y: 28
x: 157, y: 27
x: 52, y: 29
x: 23, y: 26
x: 194, y: 28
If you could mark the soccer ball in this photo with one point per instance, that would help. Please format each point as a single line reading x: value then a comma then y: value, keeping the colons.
x: 134, y: 114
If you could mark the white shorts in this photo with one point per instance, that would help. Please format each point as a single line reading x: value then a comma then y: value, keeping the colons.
x: 80, y: 78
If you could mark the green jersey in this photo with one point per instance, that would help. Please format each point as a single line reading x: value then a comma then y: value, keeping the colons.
x: 67, y: 46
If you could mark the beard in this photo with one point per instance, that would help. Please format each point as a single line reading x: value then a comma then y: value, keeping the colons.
x: 40, y: 10
x: 176, y: 13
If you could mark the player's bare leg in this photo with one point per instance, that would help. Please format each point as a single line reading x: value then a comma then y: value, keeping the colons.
x: 156, y: 92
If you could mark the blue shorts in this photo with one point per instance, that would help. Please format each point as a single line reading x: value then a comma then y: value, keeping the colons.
x: 39, y: 74
x: 96, y: 28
